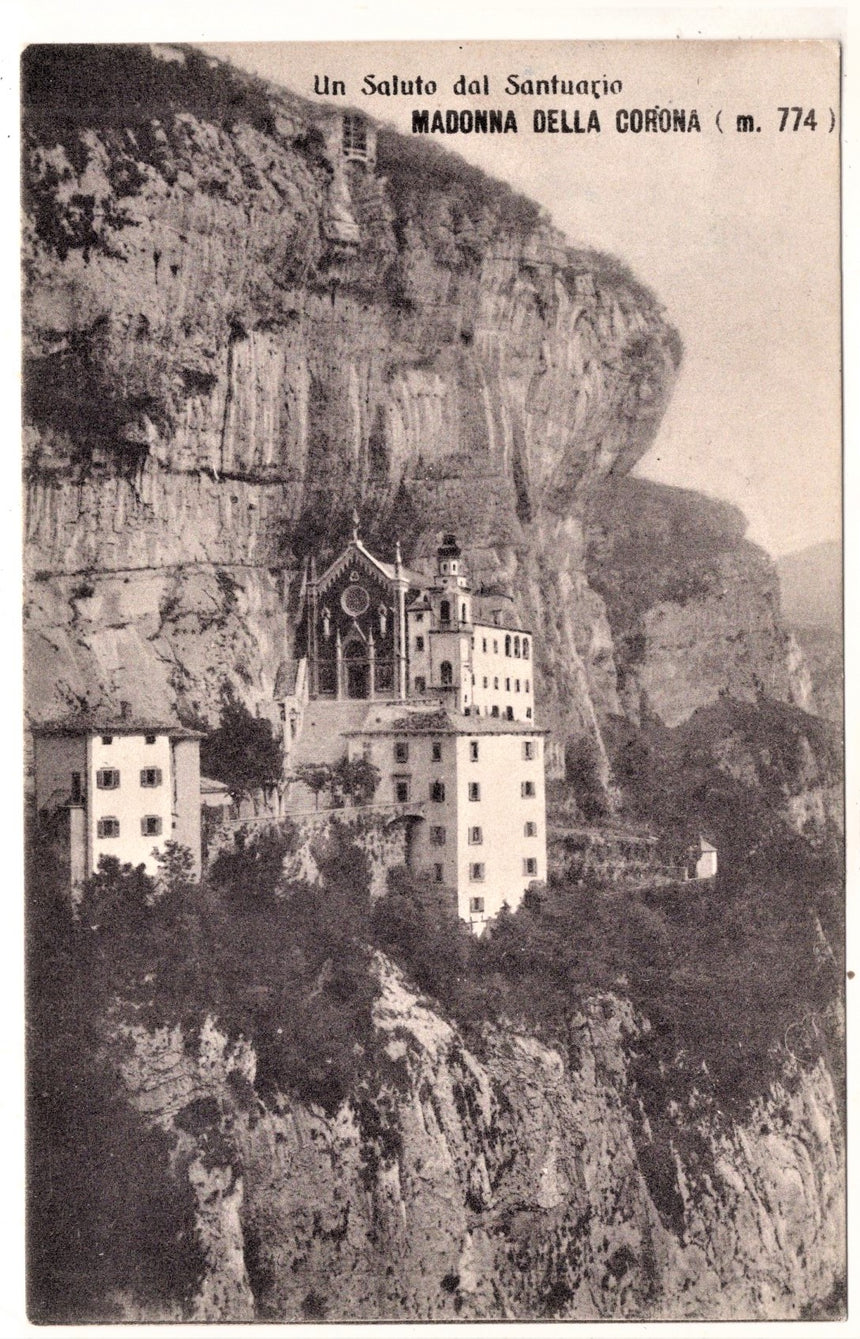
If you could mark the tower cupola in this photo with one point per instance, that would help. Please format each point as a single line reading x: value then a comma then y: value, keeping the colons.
x: 452, y: 602
x: 448, y: 556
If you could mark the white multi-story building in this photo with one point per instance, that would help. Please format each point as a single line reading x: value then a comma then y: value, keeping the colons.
x: 473, y: 788
x: 128, y: 788
x: 434, y: 684
x: 468, y: 649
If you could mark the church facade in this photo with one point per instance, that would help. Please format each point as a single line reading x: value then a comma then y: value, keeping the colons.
x: 376, y: 630
x: 355, y: 627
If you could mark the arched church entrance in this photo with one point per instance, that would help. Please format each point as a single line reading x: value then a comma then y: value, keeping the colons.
x: 356, y: 670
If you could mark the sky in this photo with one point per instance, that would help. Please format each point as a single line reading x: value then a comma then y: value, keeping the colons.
x: 738, y: 233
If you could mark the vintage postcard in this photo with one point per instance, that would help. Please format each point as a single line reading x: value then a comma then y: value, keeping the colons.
x: 433, y: 682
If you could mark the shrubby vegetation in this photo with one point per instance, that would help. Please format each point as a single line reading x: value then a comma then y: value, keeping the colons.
x: 731, y: 977
x: 285, y: 965
x: 420, y: 172
x: 350, y: 780
x: 243, y: 751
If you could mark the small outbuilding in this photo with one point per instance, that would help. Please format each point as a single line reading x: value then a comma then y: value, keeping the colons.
x: 702, y: 860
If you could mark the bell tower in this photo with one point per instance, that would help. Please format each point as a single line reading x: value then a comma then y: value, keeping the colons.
x: 452, y: 594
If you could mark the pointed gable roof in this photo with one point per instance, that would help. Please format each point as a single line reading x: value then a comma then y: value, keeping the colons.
x: 356, y: 550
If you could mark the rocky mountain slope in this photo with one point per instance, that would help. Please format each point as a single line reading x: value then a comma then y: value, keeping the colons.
x: 811, y: 587
x: 508, y: 1186
x: 232, y: 337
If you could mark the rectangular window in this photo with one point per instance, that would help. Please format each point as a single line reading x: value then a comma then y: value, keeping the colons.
x: 476, y: 872
x: 437, y: 792
x: 476, y: 837
x: 509, y: 713
x: 525, y: 648
x: 107, y: 827
x: 484, y: 643
x: 438, y: 836
x: 401, y: 790
x: 419, y: 643
x: 528, y: 686
x: 354, y: 137
x: 150, y: 825
x: 516, y: 685
x: 420, y: 684
x: 476, y: 906
x: 528, y: 789
x: 107, y: 778
x: 107, y: 739
x: 507, y: 685
x: 473, y: 750
x: 528, y: 713
x: 474, y: 790
x: 530, y: 865
x: 530, y: 830
x: 150, y: 739
x: 528, y: 749
x: 419, y: 618
x: 486, y: 682
x: 496, y: 682
x: 494, y: 711
x: 150, y: 776
x: 438, y: 873
x: 495, y: 647
x: 436, y: 750
x: 401, y: 752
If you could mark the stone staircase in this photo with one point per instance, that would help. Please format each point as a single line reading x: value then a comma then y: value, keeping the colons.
x: 321, y: 740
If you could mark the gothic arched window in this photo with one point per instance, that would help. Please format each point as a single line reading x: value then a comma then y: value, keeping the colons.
x: 445, y: 611
x: 447, y: 672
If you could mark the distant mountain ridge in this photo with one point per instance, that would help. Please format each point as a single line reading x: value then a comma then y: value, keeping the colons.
x: 811, y: 584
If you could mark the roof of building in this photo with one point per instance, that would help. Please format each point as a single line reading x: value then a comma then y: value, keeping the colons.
x: 399, y: 718
x: 388, y: 570
x: 101, y: 725
x: 209, y: 786
x: 486, y: 609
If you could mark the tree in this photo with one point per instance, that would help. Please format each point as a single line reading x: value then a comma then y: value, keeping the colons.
x: 582, y: 772
x: 316, y: 776
x: 243, y: 752
x: 358, y: 778
x: 175, y: 868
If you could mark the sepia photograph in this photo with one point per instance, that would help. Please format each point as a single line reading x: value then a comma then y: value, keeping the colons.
x: 432, y: 517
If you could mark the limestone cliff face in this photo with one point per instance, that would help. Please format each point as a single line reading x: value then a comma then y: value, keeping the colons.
x: 214, y: 377
x: 232, y: 336
x: 510, y: 1186
x: 693, y: 606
